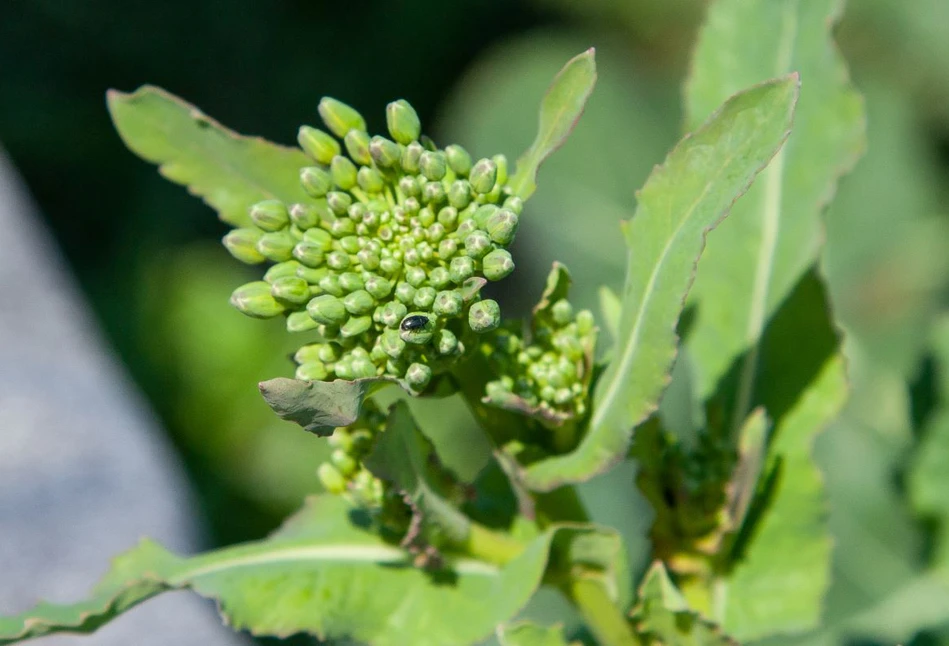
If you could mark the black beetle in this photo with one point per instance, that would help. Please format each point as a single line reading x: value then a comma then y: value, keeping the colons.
x: 414, y: 322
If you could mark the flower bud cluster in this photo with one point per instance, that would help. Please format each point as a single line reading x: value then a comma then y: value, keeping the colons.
x: 550, y: 374
x: 387, y: 260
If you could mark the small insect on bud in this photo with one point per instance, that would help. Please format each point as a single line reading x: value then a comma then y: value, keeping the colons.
x: 384, y: 152
x: 270, y: 215
x: 327, y: 309
x: 339, y: 117
x: 433, y: 166
x: 291, y: 290
x: 483, y: 176
x: 317, y: 144
x: 254, y: 299
x: 497, y: 265
x: 331, y: 479
x: 315, y: 181
x: 343, y: 172
x: 242, y: 244
x: 403, y: 122
x: 418, y: 376
x: 417, y: 328
x: 276, y: 246
x: 484, y: 316
x: 502, y: 226
x: 458, y: 160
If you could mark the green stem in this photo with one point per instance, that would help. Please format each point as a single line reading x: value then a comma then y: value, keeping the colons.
x: 491, y: 546
x: 605, y: 620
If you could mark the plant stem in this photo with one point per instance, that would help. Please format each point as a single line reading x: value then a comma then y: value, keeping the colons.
x: 605, y: 620
x: 491, y: 546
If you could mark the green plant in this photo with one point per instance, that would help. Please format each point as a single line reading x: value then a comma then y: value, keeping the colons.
x: 378, y: 259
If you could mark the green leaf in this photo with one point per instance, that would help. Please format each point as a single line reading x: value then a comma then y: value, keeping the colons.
x: 772, y: 238
x: 611, y: 308
x: 525, y: 633
x: 662, y: 616
x: 319, y: 406
x: 559, y: 112
x: 406, y: 458
x: 683, y: 199
x: 229, y: 171
x: 322, y: 573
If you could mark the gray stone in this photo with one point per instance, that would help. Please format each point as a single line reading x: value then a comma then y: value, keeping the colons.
x: 84, y: 469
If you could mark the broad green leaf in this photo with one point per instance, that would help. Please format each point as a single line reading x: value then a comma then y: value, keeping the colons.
x: 229, y: 171
x: 559, y: 112
x: 611, y: 308
x: 405, y: 458
x: 772, y: 238
x: 318, y: 406
x: 524, y: 633
x: 683, y: 199
x: 662, y: 615
x: 322, y: 574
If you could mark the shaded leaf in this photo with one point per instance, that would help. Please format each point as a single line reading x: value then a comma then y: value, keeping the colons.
x: 662, y: 615
x: 322, y: 574
x: 229, y: 171
x: 318, y: 406
x: 559, y: 112
x: 682, y: 200
x: 524, y: 633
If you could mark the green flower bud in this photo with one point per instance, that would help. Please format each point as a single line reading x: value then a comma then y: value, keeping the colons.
x: 424, y: 297
x: 403, y: 122
x: 433, y: 165
x: 448, y: 303
x: 514, y: 203
x: 319, y: 237
x: 392, y: 313
x: 368, y: 259
x: 340, y: 202
x: 396, y: 367
x: 458, y: 159
x: 497, y: 265
x: 357, y: 145
x: 310, y: 275
x: 343, y: 172
x: 304, y: 216
x: 459, y: 194
x: 339, y: 117
x: 418, y: 376
x: 359, y: 302
x: 308, y: 353
x: 270, y: 215
x: 461, y: 269
x: 242, y: 244
x: 317, y: 144
x: 390, y: 265
x: 585, y: 322
x: 502, y: 226
x: 355, y: 326
x: 331, y: 285
x: 411, y: 157
x: 483, y: 176
x: 433, y: 193
x: 370, y: 180
x: 477, y: 244
x: 342, y: 227
x: 344, y: 370
x: 328, y: 332
x: 484, y: 316
x: 331, y: 479
x: 300, y: 322
x: 341, y: 439
x: 415, y: 276
x: 315, y: 181
x: 338, y: 260
x: 562, y: 312
x: 482, y: 214
x: 384, y: 152
x: 344, y: 463
x: 281, y: 270
x: 291, y: 289
x: 309, y: 253
x: 327, y: 309
x: 378, y: 286
x: 314, y: 371
x: 254, y: 299
x: 417, y: 328
x: 409, y: 186
x: 448, y: 217
x: 392, y: 343
x: 404, y: 293
x: 446, y: 342
x: 276, y: 246
x: 439, y: 277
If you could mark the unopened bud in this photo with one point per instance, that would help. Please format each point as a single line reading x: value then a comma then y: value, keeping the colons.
x: 254, y: 299
x: 359, y: 302
x: 242, y: 244
x: 418, y: 376
x: 304, y: 216
x: 446, y: 342
x: 276, y: 246
x: 370, y: 180
x: 585, y: 322
x: 447, y: 303
x: 483, y: 176
x: 433, y: 193
x: 502, y: 226
x: 411, y: 157
x: 355, y: 326
x: 327, y: 309
x: 270, y: 215
x: 331, y: 479
x: 291, y: 289
x: 391, y: 343
x: 424, y: 297
x: 300, y: 322
x: 562, y: 312
x: 339, y: 117
x: 484, y: 316
x: 405, y: 293
x: 315, y: 181
x: 477, y: 244
x: 514, y: 203
x: 357, y: 145
x: 339, y: 203
x: 317, y: 144
x: 433, y: 166
x: 392, y: 313
x: 319, y: 237
x: 439, y: 277
x: 461, y: 269
x: 458, y: 159
x: 314, y: 371
x: 343, y: 172
x: 501, y: 162
x: 384, y: 152
x: 497, y: 265
x: 403, y: 122
x: 310, y: 254
x: 459, y: 194
x: 379, y: 287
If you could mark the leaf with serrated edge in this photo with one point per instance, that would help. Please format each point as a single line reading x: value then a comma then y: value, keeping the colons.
x: 681, y: 202
x: 320, y: 574
x: 559, y: 112
x: 662, y: 616
x: 525, y: 633
x: 229, y: 171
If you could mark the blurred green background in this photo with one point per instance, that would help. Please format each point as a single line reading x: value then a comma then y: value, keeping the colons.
x: 147, y: 254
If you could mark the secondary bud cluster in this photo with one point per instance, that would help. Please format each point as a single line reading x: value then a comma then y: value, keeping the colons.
x: 550, y: 374
x: 387, y: 261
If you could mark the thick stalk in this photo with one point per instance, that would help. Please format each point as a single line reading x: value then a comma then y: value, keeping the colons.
x: 493, y: 547
x: 607, y: 622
